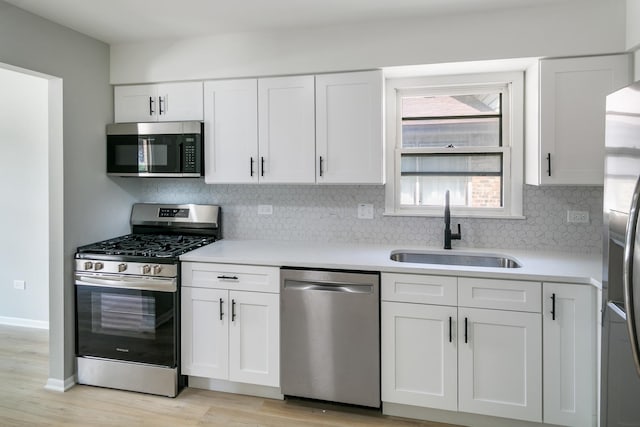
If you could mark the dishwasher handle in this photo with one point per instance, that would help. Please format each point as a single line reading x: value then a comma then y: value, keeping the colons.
x: 350, y: 288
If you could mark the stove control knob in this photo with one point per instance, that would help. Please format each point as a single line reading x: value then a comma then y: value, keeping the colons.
x: 157, y: 269
x: 88, y: 265
x: 98, y: 266
x: 146, y: 269
x: 122, y: 267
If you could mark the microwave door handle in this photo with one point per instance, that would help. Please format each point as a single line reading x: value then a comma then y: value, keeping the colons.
x: 629, y: 280
x: 143, y: 154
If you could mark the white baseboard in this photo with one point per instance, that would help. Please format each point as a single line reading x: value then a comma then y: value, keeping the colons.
x: 237, y: 388
x: 28, y: 323
x: 54, y: 384
x: 453, y: 417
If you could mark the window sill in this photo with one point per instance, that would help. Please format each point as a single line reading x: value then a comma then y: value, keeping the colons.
x: 453, y: 215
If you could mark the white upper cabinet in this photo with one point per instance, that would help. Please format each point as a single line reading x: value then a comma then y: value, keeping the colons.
x: 565, y: 117
x: 231, y: 131
x: 324, y: 129
x: 286, y: 129
x: 158, y: 102
x: 135, y: 103
x: 349, y: 141
x: 260, y: 130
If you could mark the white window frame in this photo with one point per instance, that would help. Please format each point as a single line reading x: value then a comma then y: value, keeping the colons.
x: 512, y: 139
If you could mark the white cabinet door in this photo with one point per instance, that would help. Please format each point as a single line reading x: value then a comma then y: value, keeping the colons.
x: 204, y: 332
x: 567, y: 146
x: 419, y: 355
x: 231, y: 131
x: 158, y: 102
x: 500, y: 363
x: 179, y: 101
x: 286, y: 130
x: 349, y: 128
x: 254, y: 338
x: 137, y: 103
x: 569, y: 355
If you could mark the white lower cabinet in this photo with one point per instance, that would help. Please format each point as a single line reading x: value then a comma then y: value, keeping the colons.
x: 500, y: 365
x: 205, y: 332
x: 419, y: 355
x: 569, y: 347
x: 254, y: 338
x: 481, y: 346
x: 475, y: 348
x: 231, y: 334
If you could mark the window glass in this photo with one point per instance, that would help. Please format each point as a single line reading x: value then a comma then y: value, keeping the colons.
x: 474, y: 180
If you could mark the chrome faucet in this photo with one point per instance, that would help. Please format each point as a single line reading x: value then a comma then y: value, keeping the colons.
x: 448, y: 235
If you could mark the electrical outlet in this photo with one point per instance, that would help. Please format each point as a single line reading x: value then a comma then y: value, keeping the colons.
x: 578, y: 217
x: 19, y: 284
x: 365, y: 211
x: 265, y: 209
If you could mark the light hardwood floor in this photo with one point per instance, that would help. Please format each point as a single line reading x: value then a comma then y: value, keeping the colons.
x: 25, y: 402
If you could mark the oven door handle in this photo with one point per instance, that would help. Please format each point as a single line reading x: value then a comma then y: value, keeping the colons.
x: 124, y: 282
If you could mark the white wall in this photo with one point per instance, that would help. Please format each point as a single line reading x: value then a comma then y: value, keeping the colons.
x: 24, y: 205
x: 84, y: 204
x: 569, y: 28
x: 633, y: 33
x: 633, y: 24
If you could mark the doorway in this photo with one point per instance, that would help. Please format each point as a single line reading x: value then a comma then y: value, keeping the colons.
x: 31, y: 203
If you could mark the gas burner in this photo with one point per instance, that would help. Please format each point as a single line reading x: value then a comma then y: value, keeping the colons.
x: 147, y: 245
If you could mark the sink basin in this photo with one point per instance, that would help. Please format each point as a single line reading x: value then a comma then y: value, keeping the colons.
x: 468, y: 259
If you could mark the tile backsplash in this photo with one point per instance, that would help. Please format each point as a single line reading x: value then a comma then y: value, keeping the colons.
x: 329, y: 214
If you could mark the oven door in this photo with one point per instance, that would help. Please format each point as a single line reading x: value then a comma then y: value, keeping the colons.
x: 144, y: 155
x: 127, y: 318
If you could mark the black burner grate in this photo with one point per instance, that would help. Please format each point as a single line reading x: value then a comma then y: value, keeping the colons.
x: 147, y: 245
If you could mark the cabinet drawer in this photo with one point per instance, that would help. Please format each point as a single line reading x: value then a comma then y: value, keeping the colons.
x: 418, y: 288
x: 499, y: 294
x: 231, y: 276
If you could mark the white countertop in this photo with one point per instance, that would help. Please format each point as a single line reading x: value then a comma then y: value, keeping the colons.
x: 536, y: 265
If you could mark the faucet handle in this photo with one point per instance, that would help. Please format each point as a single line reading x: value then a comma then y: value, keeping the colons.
x: 458, y: 235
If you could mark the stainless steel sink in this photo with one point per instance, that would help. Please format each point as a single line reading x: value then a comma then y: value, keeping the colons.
x: 468, y: 259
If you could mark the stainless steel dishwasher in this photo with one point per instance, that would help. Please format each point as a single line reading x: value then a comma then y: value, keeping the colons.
x: 330, y: 335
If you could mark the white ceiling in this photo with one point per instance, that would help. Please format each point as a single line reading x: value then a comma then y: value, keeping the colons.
x: 123, y: 21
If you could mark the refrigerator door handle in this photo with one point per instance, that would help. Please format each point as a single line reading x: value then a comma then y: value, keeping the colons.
x: 628, y: 280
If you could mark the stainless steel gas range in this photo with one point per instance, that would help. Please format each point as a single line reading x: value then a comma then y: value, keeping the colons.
x: 128, y: 298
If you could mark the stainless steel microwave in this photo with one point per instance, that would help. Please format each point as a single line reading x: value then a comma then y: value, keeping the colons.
x: 162, y: 149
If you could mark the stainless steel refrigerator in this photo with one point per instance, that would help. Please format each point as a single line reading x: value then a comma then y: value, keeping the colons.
x: 620, y: 386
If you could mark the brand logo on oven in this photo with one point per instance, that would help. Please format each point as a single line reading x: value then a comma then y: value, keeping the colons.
x: 124, y: 350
